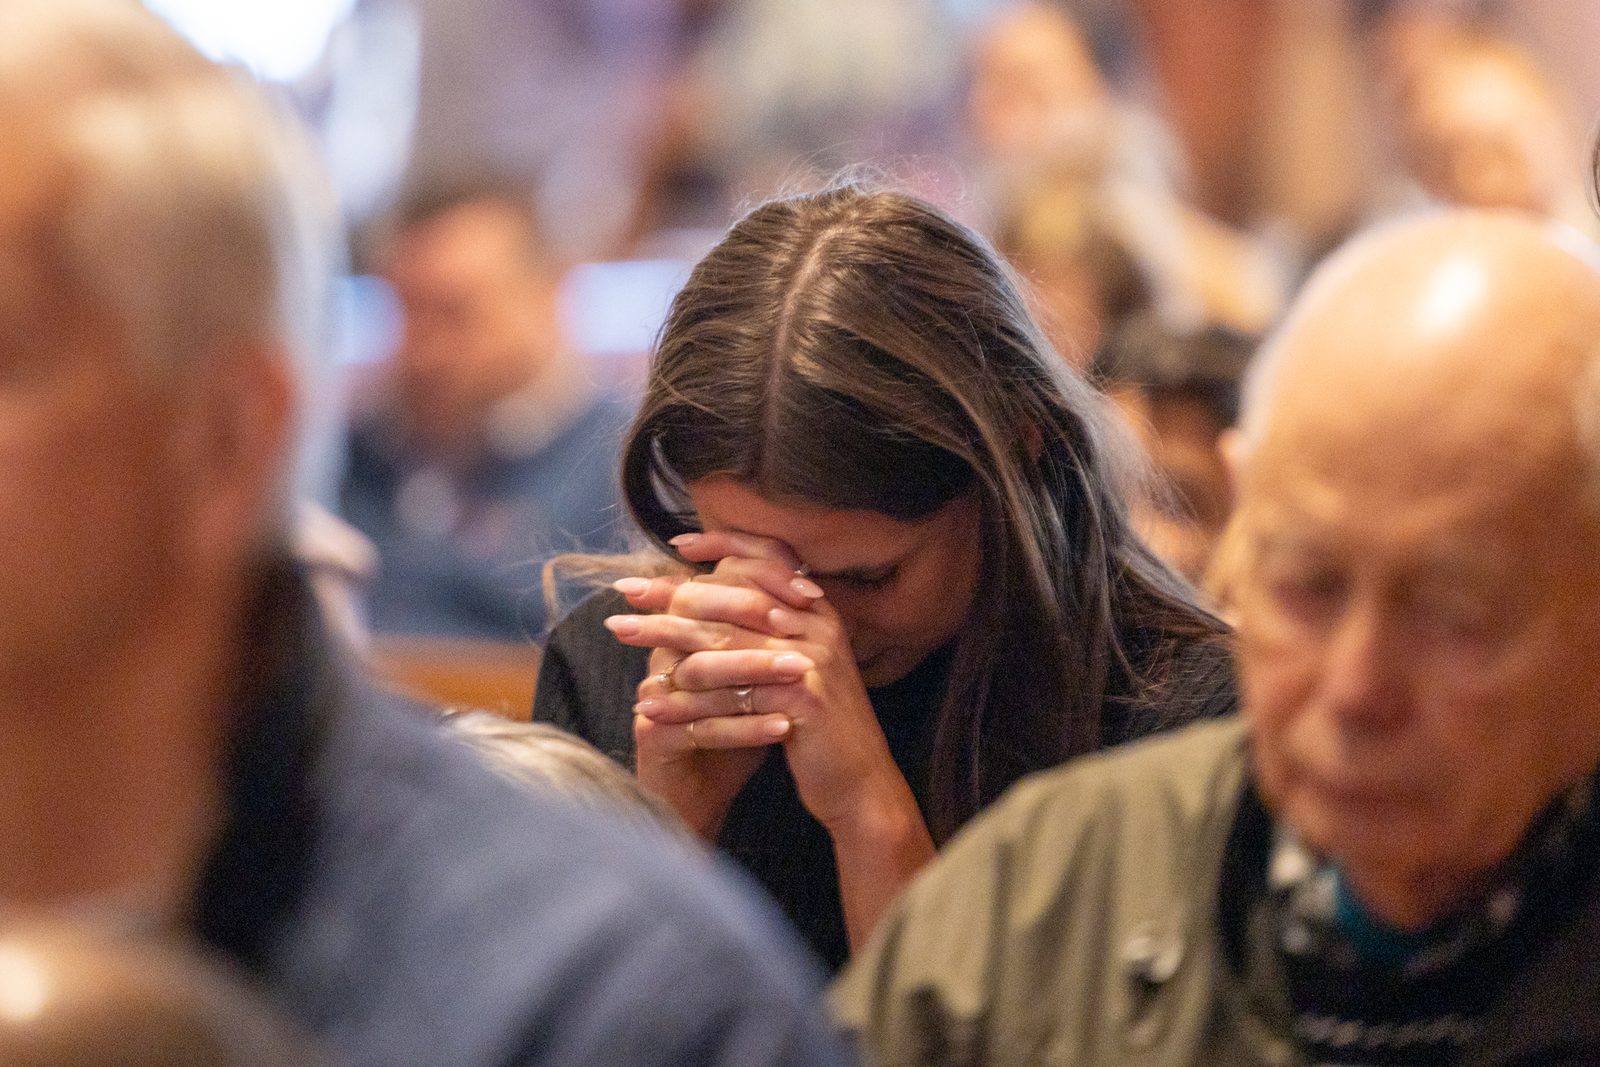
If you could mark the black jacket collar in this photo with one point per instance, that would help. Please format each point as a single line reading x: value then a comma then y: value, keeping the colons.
x: 289, y: 686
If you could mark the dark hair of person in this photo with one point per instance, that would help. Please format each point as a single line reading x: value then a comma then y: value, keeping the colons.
x: 859, y: 349
x: 428, y: 201
x: 1206, y: 365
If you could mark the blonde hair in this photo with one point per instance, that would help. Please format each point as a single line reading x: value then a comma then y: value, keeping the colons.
x: 542, y: 757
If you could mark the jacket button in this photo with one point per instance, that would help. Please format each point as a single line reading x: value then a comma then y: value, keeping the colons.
x: 1152, y: 957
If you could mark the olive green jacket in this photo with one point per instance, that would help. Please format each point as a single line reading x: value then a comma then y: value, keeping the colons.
x: 1075, y: 922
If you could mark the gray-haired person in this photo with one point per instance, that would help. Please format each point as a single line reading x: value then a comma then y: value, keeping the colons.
x: 184, y: 746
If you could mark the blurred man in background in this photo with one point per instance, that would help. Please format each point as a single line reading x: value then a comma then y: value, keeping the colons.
x: 184, y: 746
x: 484, y: 449
x: 1179, y: 394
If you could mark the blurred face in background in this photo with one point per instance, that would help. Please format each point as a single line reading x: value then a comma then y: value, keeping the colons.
x: 1481, y: 130
x: 1036, y: 92
x: 1181, y: 435
x: 480, y: 319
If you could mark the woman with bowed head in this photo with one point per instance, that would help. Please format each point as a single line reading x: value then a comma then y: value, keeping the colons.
x: 906, y: 576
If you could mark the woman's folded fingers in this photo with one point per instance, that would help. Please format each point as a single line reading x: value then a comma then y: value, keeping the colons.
x: 757, y: 698
x: 712, y: 545
x: 649, y: 594
x: 739, y: 607
x: 776, y: 579
x: 733, y: 669
x: 711, y: 734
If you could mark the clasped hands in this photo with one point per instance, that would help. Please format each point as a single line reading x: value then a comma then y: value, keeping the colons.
x: 745, y: 656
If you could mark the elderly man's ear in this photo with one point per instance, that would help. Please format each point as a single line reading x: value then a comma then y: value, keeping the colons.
x: 239, y: 425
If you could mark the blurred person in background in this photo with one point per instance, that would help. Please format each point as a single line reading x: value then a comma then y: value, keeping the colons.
x: 1085, y: 193
x: 1036, y: 94
x: 1179, y: 394
x: 1393, y: 856
x: 1121, y: 270
x: 850, y: 384
x: 481, y: 449
x: 563, y: 94
x: 185, y: 746
x: 75, y: 996
x: 1478, y: 123
x: 1268, y: 101
x: 787, y: 95
x: 1060, y: 233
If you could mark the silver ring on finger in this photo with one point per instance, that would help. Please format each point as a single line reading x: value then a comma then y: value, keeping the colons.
x: 747, y: 702
x: 694, y: 744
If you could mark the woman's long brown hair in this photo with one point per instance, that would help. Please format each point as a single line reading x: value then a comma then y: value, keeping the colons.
x: 859, y: 349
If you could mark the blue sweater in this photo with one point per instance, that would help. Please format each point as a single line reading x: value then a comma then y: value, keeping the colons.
x: 479, y: 574
x: 411, y: 908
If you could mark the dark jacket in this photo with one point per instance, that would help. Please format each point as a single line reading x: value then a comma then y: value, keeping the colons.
x: 586, y: 685
x: 411, y: 908
x: 1078, y: 921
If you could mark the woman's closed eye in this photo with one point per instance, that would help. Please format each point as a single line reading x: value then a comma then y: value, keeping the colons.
x: 863, y: 579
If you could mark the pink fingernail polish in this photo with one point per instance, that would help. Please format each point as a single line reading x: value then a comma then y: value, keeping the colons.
x: 631, y: 586
x: 792, y: 665
x: 623, y: 625
x: 684, y: 539
x: 649, y: 707
x: 806, y: 587
x: 776, y: 728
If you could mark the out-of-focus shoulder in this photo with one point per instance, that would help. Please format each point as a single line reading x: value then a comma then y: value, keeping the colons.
x: 1188, y: 768
x: 584, y: 621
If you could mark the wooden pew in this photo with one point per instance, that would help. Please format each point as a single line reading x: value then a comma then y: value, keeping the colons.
x: 451, y: 672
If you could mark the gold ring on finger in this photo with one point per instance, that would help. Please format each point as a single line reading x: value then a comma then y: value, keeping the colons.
x: 747, y: 702
x: 694, y: 744
x: 666, y: 678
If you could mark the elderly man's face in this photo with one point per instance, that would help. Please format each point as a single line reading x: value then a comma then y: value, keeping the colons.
x: 1419, y: 621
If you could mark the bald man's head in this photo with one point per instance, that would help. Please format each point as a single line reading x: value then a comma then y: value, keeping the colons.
x: 1466, y: 327
x: 1420, y: 599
